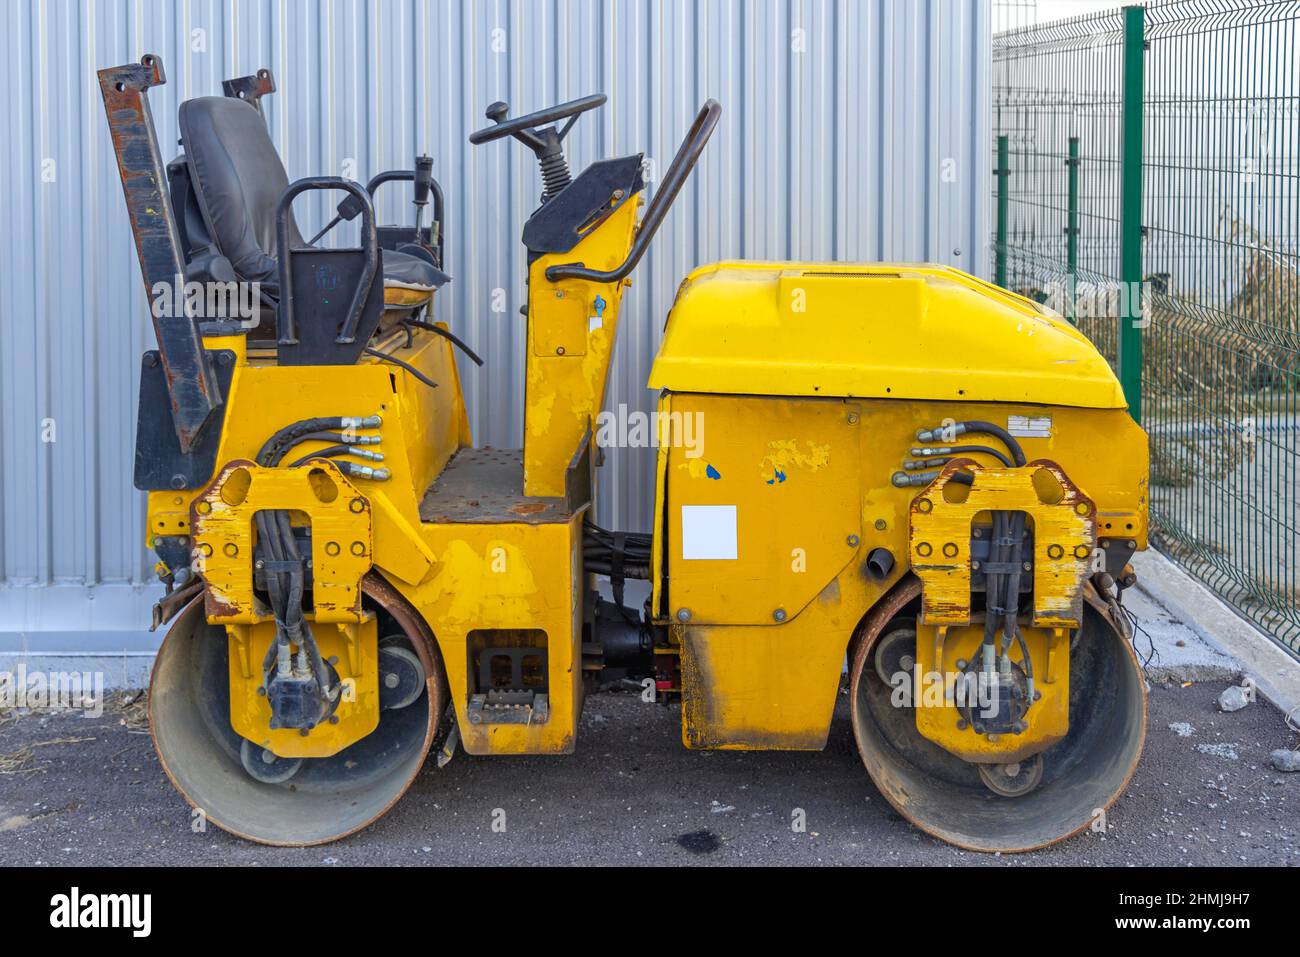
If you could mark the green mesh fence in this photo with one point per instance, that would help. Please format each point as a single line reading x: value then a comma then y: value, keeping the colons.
x: 1180, y: 177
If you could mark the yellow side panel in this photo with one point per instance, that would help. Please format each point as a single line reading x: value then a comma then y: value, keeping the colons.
x: 763, y: 505
x: 508, y: 576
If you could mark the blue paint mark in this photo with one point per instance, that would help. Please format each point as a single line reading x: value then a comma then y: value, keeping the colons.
x: 780, y: 477
x: 599, y: 305
x: 712, y: 473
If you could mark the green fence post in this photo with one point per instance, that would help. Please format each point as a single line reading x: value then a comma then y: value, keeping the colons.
x: 1000, y: 251
x: 1072, y: 226
x: 1130, y: 330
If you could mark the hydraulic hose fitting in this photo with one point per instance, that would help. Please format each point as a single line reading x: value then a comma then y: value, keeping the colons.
x: 352, y: 470
x: 941, y: 433
x: 903, y: 480
x: 915, y: 465
x: 365, y: 422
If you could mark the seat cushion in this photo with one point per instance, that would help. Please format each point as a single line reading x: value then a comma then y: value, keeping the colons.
x: 238, y: 180
x: 409, y: 280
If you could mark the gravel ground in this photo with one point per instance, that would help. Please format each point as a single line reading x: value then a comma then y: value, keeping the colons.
x: 633, y: 795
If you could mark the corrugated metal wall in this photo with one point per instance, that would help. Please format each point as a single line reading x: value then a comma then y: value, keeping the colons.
x: 851, y: 130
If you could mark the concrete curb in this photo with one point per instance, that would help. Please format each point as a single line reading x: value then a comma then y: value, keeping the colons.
x: 1275, y: 673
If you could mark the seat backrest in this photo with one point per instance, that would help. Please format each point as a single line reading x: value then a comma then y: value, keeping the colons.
x: 238, y: 179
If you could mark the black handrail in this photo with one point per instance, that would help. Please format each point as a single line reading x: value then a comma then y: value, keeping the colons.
x: 682, y: 165
x: 286, y: 326
x: 408, y: 176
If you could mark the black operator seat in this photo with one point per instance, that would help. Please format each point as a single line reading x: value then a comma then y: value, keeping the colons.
x: 236, y: 180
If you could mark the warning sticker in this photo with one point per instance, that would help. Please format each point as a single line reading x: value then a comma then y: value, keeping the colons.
x: 709, y: 532
x: 1031, y: 427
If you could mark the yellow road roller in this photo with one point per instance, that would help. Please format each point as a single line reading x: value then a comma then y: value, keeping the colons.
x: 897, y: 466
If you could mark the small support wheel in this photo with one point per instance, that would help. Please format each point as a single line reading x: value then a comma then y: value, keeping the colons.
x: 266, y: 766
x: 895, y: 653
x: 1013, y: 780
x: 401, y: 676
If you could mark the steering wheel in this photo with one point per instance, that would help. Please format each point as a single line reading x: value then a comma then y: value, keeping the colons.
x: 534, y: 138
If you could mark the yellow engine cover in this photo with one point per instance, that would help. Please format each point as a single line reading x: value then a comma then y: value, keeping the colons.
x: 881, y: 331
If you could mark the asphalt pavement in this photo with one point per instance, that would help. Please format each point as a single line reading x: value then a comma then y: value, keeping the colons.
x: 83, y: 791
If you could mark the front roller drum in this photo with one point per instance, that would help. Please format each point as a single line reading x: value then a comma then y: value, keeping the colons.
x: 1006, y: 808
x: 322, y: 799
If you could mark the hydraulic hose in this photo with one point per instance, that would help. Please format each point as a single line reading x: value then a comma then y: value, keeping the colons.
x: 979, y: 426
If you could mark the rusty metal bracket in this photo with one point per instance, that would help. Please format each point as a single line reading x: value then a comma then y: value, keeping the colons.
x: 191, y: 380
x: 1064, y: 523
x: 221, y: 520
x: 250, y: 89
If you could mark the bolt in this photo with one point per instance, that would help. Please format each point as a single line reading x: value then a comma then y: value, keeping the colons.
x: 225, y: 358
x: 1132, y: 543
x: 994, y: 738
x: 391, y: 681
x: 331, y: 548
x: 881, y: 524
x: 262, y: 692
x: 358, y: 549
x: 961, y: 664
x: 778, y: 615
x: 853, y: 418
x: 975, y: 566
x: 231, y: 549
x: 475, y: 718
x: 334, y: 719
x: 357, y: 505
x: 923, y: 549
x: 683, y: 614
x: 961, y: 724
x: 559, y: 350
x: 977, y: 533
x: 853, y: 541
x: 1027, y: 567
x: 151, y: 359
x: 178, y: 481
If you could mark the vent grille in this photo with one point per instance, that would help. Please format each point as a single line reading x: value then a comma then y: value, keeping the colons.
x: 853, y: 275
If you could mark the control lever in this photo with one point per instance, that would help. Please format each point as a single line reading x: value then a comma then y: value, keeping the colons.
x: 423, y: 184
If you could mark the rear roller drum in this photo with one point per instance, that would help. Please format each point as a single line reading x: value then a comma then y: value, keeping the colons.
x: 250, y: 792
x: 1003, y: 807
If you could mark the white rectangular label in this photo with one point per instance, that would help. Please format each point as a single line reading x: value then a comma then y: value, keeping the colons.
x: 1030, y: 427
x: 709, y: 532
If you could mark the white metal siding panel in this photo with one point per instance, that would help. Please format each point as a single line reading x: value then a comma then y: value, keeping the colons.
x: 838, y: 118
